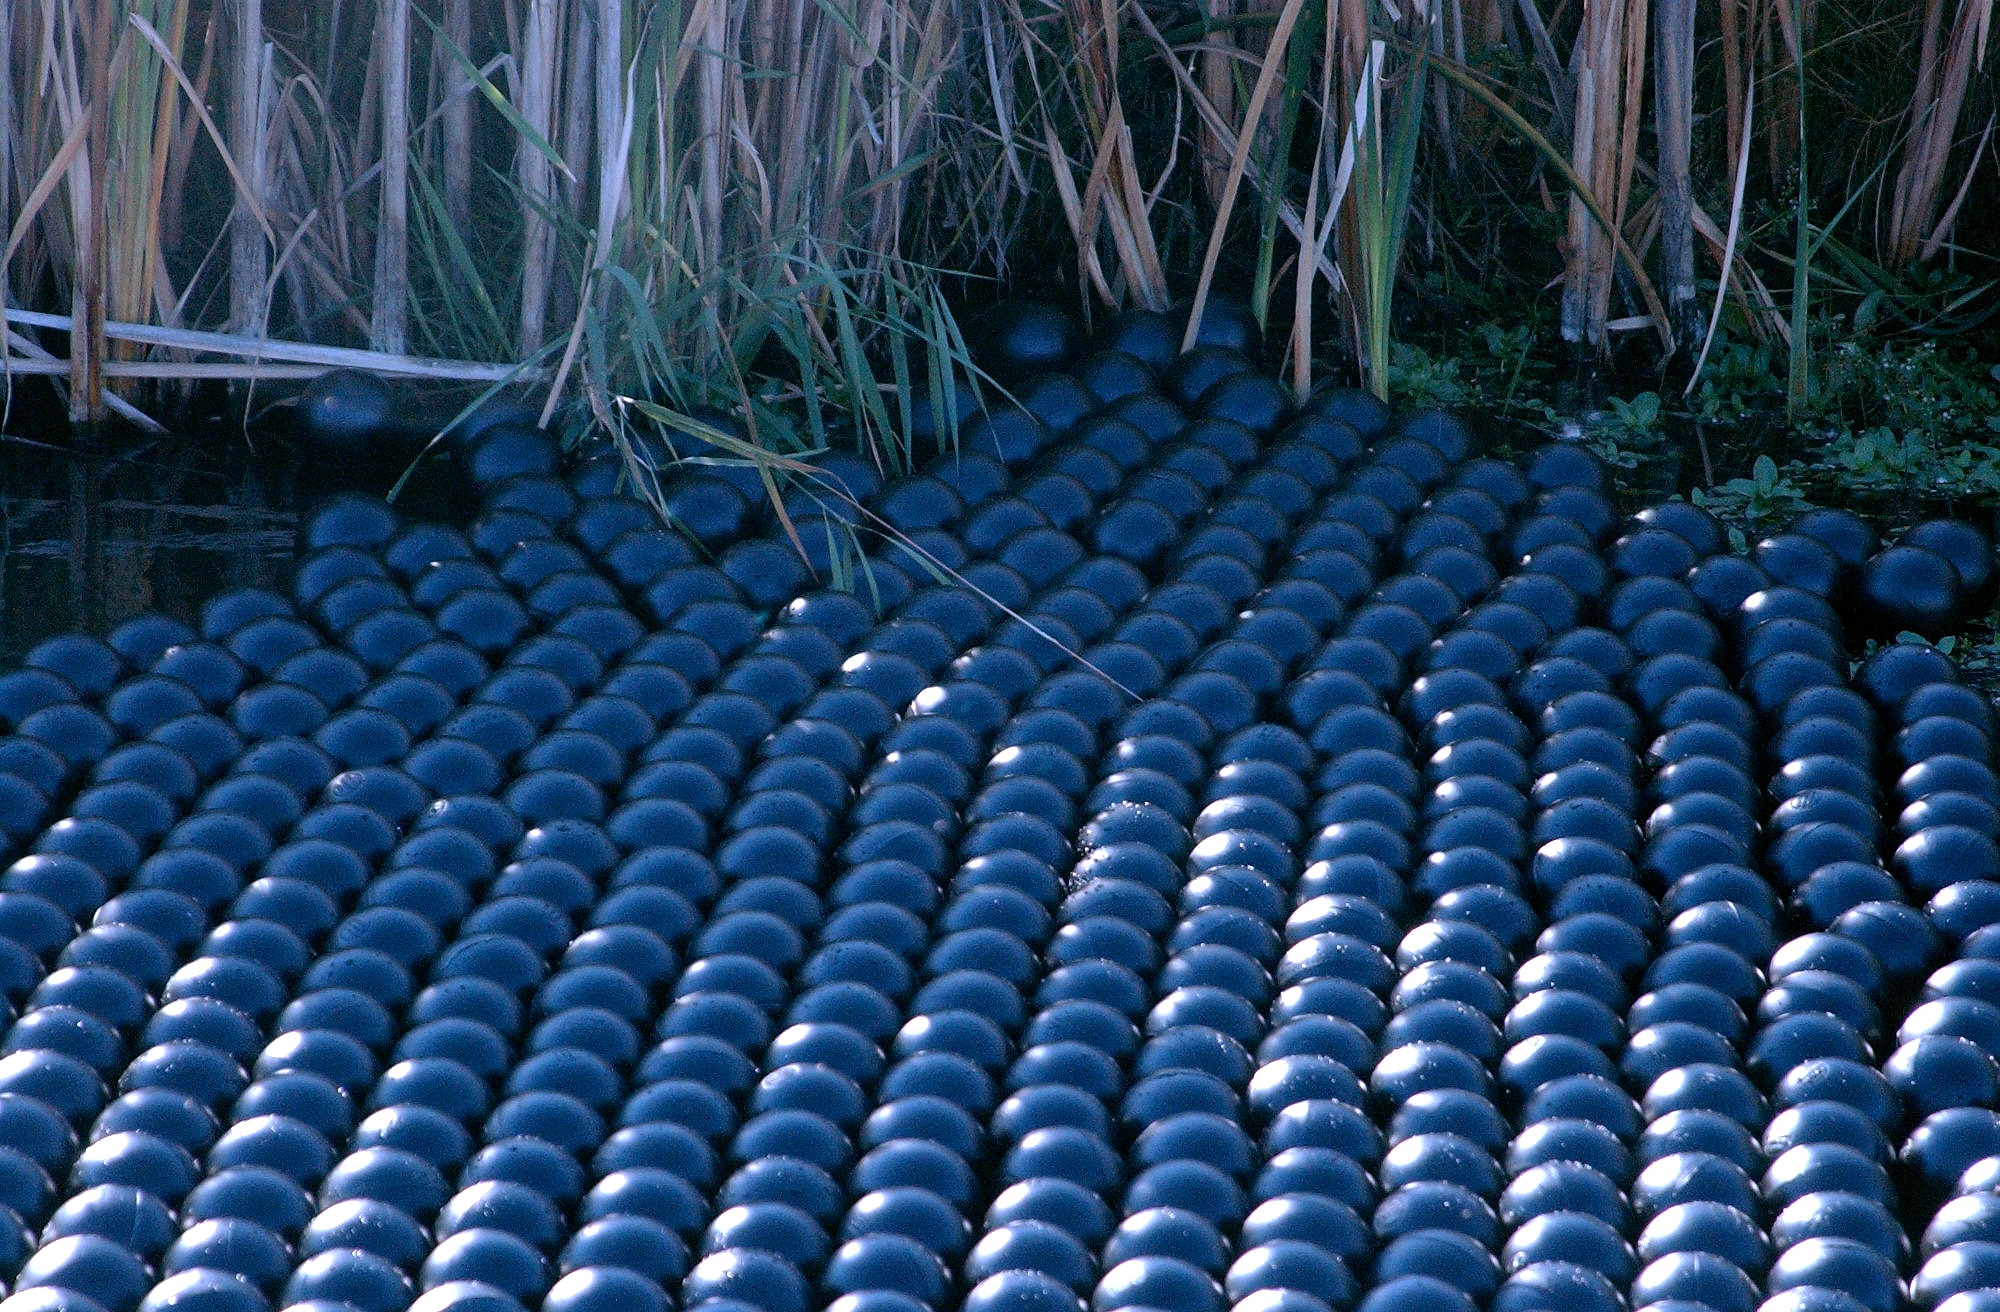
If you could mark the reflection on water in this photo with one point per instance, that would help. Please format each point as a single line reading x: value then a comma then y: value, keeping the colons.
x: 96, y: 530
x: 94, y: 534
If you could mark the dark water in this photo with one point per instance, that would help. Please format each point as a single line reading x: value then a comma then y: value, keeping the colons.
x: 97, y: 529
x: 102, y: 529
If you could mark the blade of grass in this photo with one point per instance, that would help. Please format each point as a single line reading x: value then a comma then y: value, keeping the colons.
x: 1298, y: 76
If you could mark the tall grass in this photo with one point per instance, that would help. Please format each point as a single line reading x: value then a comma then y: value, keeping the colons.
x: 772, y: 206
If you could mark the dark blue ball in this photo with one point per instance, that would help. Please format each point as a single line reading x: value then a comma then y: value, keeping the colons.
x: 492, y: 1257
x: 1061, y: 1203
x: 454, y: 1296
x: 762, y: 1280
x: 373, y: 1227
x: 250, y: 1193
x: 1032, y: 1246
x: 130, y: 1217
x: 362, y: 1280
x: 605, y: 1289
x: 240, y: 1247
x: 1167, y: 1283
x: 633, y: 1243
x: 204, y: 1291
x: 770, y: 1227
x: 97, y: 1268
x: 1021, y: 1291
x: 890, y: 1262
x: 1415, y: 1293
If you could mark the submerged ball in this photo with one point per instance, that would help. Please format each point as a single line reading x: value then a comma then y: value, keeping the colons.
x: 347, y: 411
x: 1910, y: 588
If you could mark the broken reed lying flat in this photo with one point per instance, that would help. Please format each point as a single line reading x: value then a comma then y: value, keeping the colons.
x: 681, y: 186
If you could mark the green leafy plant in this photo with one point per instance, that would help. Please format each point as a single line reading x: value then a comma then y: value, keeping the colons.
x: 1512, y: 351
x: 1417, y: 377
x: 1627, y: 431
x: 1739, y: 382
x: 1498, y: 368
x: 1765, y: 498
x: 1881, y: 459
x: 1635, y: 420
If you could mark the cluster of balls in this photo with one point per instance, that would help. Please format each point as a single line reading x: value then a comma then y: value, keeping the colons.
x: 1231, y: 857
x: 1938, y: 575
x: 1930, y: 581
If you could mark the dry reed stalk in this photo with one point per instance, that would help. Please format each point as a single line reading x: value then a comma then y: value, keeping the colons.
x: 1450, y: 29
x: 579, y: 104
x: 40, y: 242
x: 1726, y: 256
x: 614, y: 123
x: 1212, y: 121
x: 1754, y: 297
x: 708, y: 34
x: 576, y: 111
x: 150, y: 282
x: 310, y: 190
x: 1315, y: 236
x: 1472, y: 28
x: 1673, y: 118
x: 1632, y: 81
x: 1735, y: 84
x: 254, y: 347
x: 164, y: 371
x: 1944, y: 72
x: 1353, y: 22
x: 1218, y: 83
x: 89, y: 174
x: 987, y: 207
x: 1092, y: 45
x: 388, y: 325
x: 1941, y: 230
x: 1253, y: 113
x: 41, y: 239
x: 249, y: 255
x: 537, y: 62
x: 180, y: 151
x: 8, y: 129
x: 614, y: 146
x: 1609, y: 58
x: 1113, y: 201
x: 1438, y: 19
x: 247, y: 195
x: 1044, y: 102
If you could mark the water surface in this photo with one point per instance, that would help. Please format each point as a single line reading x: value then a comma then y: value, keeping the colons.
x: 97, y: 529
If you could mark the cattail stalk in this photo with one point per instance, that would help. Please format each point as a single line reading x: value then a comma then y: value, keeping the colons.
x: 249, y: 256
x: 87, y: 194
x: 388, y: 327
x: 536, y: 170
x: 1673, y: 116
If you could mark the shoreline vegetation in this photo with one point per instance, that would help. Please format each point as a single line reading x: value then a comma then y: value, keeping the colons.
x: 786, y: 209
